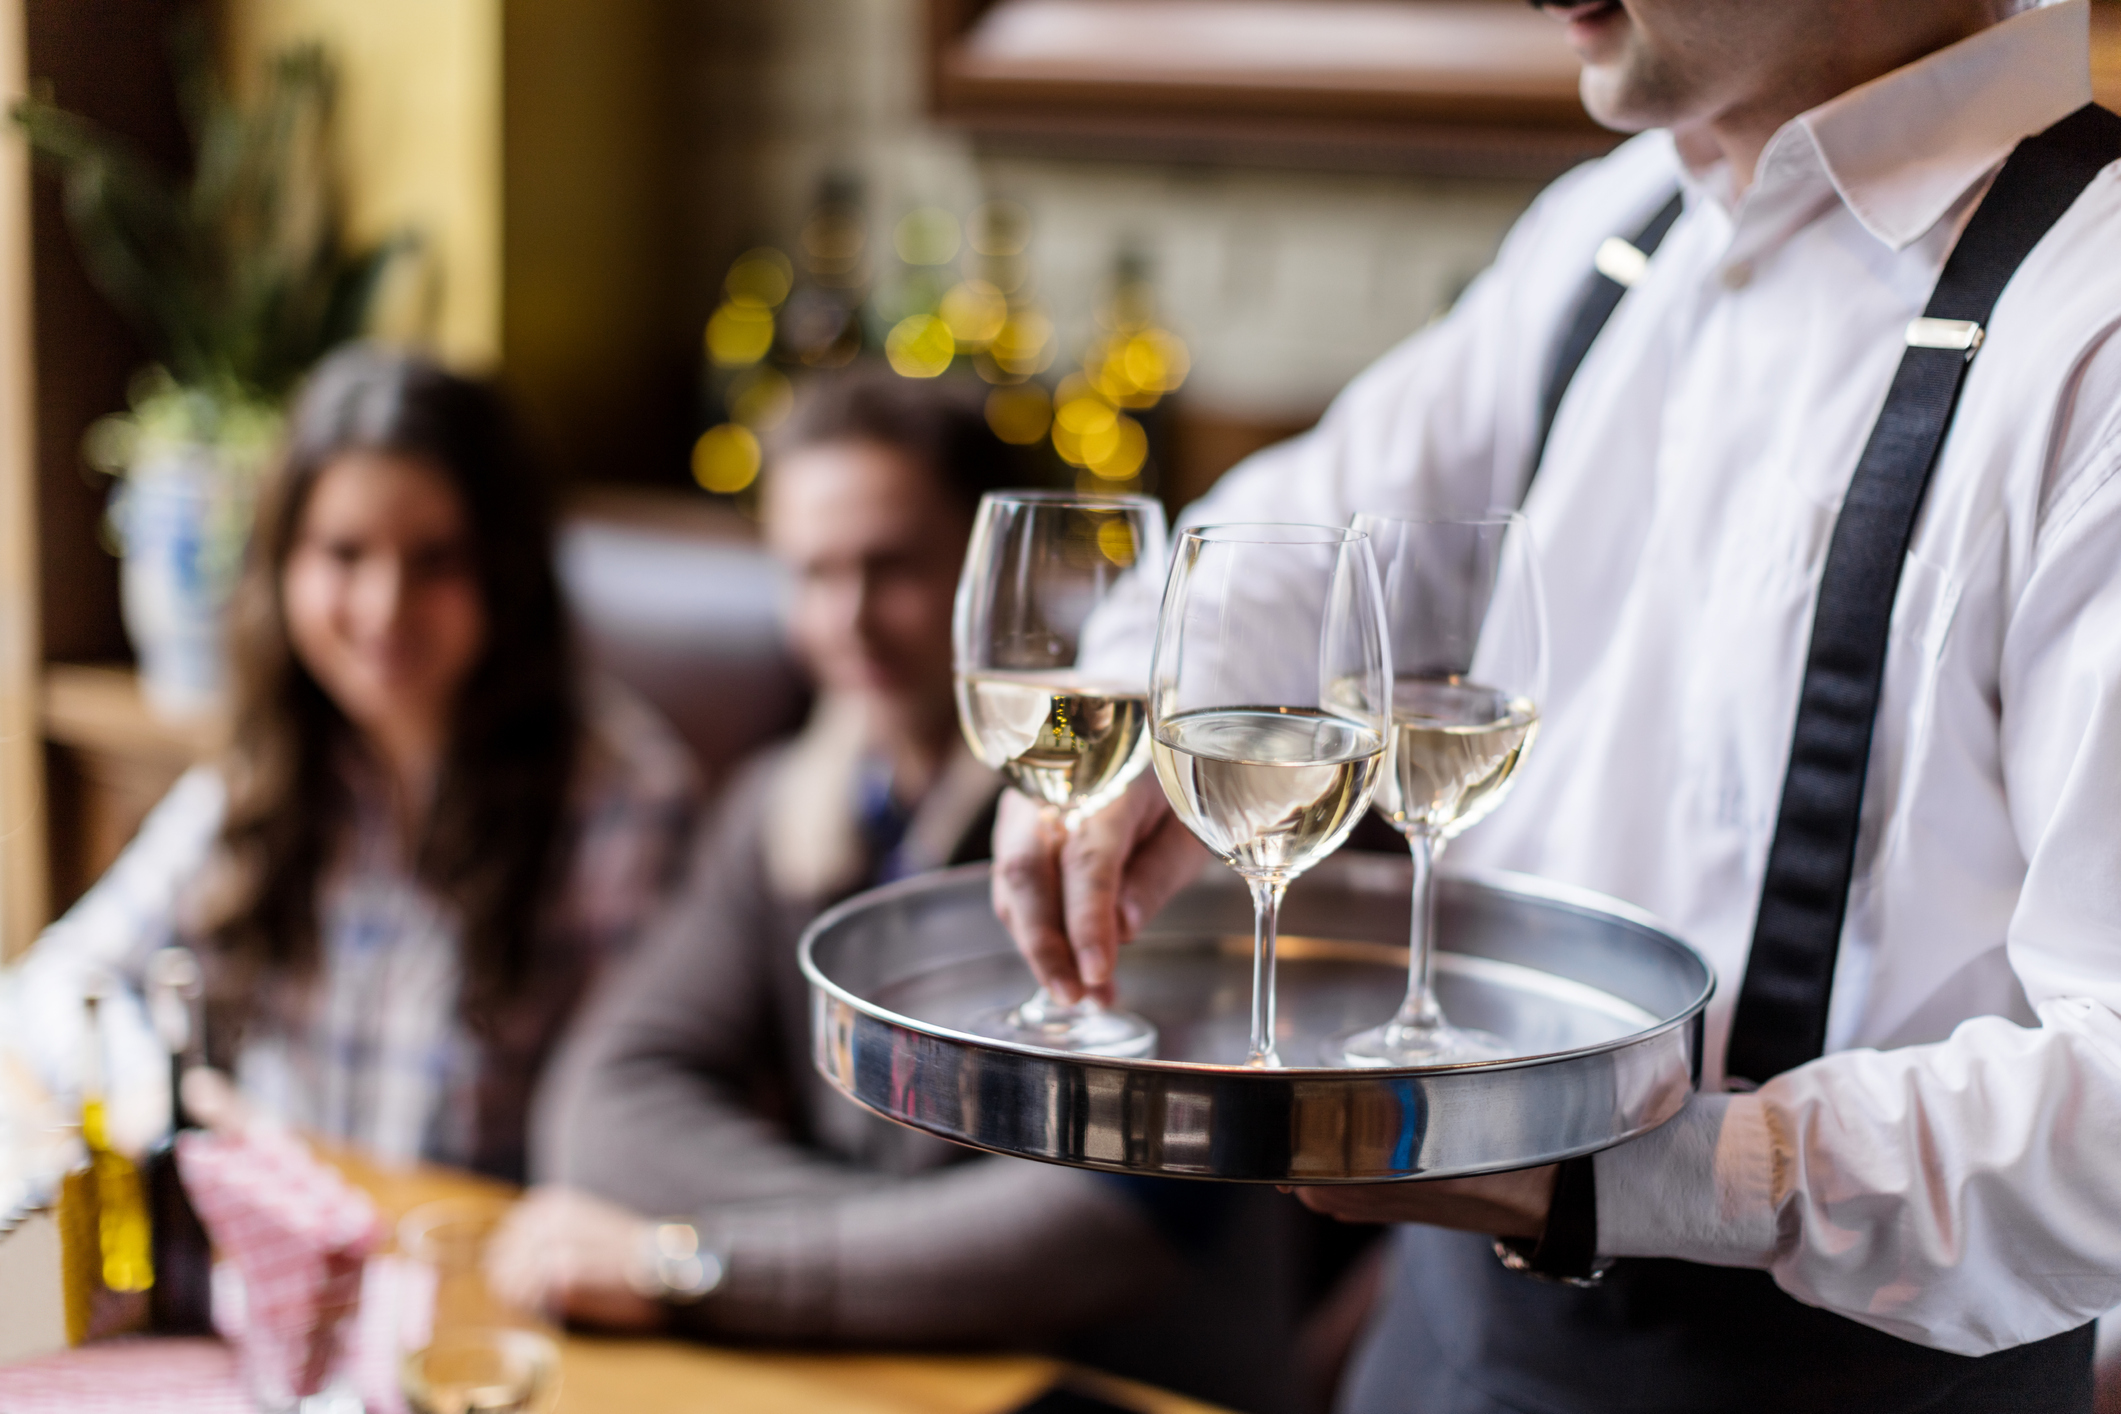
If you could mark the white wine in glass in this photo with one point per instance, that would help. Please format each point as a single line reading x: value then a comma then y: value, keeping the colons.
x: 1059, y: 712
x: 1455, y: 749
x: 1268, y: 707
x: 1267, y: 790
x: 1068, y: 743
x: 1468, y: 627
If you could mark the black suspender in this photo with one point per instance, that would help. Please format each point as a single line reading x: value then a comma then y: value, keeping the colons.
x: 1782, y: 1005
x: 1781, y: 1020
x: 1620, y: 264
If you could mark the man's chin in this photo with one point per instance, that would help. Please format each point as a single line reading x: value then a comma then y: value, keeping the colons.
x: 1607, y: 99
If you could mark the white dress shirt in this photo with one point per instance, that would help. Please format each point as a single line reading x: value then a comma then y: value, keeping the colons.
x: 1951, y: 1171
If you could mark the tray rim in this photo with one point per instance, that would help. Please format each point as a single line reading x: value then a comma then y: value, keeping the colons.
x: 1501, y: 880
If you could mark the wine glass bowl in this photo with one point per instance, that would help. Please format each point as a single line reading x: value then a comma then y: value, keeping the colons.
x: 1468, y: 625
x: 1268, y: 707
x: 1052, y: 691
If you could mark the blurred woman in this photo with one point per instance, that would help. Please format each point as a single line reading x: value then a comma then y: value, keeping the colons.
x: 428, y: 834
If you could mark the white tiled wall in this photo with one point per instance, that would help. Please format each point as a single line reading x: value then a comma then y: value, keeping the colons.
x: 1284, y: 283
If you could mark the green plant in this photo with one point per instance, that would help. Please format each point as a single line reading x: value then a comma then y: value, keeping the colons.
x: 239, y: 277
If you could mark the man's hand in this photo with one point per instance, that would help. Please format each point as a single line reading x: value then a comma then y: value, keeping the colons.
x: 1070, y: 900
x: 567, y: 1254
x: 1512, y: 1204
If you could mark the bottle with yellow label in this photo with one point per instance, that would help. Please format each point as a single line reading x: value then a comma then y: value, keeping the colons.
x: 103, y: 1227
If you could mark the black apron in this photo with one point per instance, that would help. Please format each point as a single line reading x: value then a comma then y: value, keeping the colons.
x: 1456, y: 1332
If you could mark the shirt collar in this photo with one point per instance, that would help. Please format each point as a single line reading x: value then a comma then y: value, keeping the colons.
x: 1902, y: 149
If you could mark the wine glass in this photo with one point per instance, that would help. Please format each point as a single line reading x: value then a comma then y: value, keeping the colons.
x: 1053, y: 701
x: 475, y: 1355
x: 1468, y: 625
x: 1269, y: 698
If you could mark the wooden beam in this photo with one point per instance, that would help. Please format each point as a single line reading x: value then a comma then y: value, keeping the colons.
x: 25, y: 876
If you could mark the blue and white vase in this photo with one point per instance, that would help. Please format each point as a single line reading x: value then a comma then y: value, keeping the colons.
x: 180, y: 517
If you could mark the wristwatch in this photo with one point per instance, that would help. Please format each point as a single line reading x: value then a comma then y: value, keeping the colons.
x: 1567, y: 1249
x: 672, y: 1264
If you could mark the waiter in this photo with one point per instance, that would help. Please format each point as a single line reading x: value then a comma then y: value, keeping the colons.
x: 1828, y: 494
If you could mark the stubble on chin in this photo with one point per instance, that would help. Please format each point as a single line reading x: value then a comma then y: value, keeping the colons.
x: 1634, y: 89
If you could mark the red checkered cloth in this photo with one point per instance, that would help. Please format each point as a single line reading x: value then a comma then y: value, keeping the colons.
x: 139, y: 1374
x: 297, y: 1233
x: 128, y: 1375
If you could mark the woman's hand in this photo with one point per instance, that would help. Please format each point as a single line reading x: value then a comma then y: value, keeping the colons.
x: 568, y: 1254
x: 212, y: 1100
x: 1070, y: 900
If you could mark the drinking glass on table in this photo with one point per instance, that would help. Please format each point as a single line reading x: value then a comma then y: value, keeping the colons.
x: 1269, y: 699
x: 1042, y: 701
x: 476, y: 1357
x: 1468, y: 624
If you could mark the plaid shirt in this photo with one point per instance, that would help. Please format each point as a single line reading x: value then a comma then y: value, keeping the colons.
x: 374, y: 1053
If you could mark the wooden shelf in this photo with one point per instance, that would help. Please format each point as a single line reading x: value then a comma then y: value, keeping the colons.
x: 1461, y: 84
x: 109, y: 758
x: 99, y: 707
x: 2106, y: 53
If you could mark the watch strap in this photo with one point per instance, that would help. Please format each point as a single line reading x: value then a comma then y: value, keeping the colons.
x: 1567, y: 1249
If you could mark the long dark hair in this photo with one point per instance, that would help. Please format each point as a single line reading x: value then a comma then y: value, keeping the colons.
x: 498, y: 802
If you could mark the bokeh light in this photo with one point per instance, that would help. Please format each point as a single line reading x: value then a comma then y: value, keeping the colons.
x: 919, y: 346
x: 1024, y: 343
x: 1085, y: 414
x: 739, y: 334
x: 725, y: 460
x: 761, y: 398
x: 1019, y: 415
x: 1117, y: 456
x: 1136, y: 370
x: 760, y: 278
x: 1115, y: 538
x: 927, y: 235
x: 975, y: 312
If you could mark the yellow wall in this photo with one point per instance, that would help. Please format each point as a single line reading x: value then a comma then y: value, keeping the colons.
x: 590, y: 230
x: 420, y: 126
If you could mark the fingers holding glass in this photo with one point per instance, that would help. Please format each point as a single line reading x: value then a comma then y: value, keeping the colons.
x: 1051, y: 692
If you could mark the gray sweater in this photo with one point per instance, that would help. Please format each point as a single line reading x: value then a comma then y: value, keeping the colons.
x: 689, y: 1090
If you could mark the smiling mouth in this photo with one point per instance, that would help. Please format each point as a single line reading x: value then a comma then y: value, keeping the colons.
x: 1585, y: 18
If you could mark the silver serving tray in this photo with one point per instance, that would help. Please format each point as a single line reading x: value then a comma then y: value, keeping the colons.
x: 1602, y: 1003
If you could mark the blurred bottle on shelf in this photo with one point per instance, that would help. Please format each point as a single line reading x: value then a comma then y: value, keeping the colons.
x: 1104, y: 421
x: 181, y: 1300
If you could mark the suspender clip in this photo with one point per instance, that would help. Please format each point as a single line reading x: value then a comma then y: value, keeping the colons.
x: 1961, y: 334
x: 1621, y: 262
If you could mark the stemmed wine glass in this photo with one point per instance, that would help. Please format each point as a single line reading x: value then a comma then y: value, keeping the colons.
x: 1050, y: 703
x: 1269, y: 699
x: 1468, y: 625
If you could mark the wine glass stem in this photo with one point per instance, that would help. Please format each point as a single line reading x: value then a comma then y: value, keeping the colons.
x: 1045, y: 1009
x: 1420, y: 1009
x: 1266, y: 921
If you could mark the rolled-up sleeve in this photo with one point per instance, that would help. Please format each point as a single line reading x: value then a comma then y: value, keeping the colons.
x: 1964, y: 1194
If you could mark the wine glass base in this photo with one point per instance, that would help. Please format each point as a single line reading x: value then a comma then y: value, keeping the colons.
x: 1086, y: 1030
x: 1397, y: 1044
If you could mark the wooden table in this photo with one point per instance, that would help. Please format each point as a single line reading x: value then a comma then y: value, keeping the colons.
x: 629, y: 1375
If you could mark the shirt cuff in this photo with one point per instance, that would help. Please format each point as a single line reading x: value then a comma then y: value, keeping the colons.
x: 1699, y: 1187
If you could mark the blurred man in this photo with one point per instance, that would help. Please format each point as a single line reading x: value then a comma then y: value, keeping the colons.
x: 704, y: 1177
x: 1908, y: 1195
